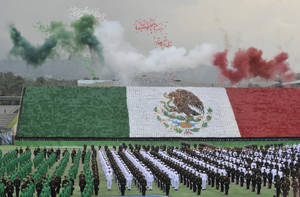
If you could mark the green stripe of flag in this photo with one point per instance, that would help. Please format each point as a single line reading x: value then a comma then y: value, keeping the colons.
x: 74, y: 112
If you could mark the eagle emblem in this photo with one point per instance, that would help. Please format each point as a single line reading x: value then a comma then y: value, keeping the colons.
x: 183, y: 112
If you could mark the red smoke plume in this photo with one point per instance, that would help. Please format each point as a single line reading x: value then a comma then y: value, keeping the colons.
x: 250, y: 64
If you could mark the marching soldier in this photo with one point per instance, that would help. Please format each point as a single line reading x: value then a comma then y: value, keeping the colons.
x: 17, y: 184
x: 242, y: 179
x: 226, y: 183
x: 248, y: 179
x: 53, y: 187
x: 237, y: 175
x: 253, y: 179
x: 217, y: 180
x: 96, y: 184
x: 199, y: 185
x: 295, y: 187
x: 57, y: 183
x: 168, y: 182
x: 213, y: 176
x: 82, y: 181
x: 222, y: 183
x: 270, y: 177
x: 9, y: 189
x: 39, y: 187
x: 65, y: 181
x: 258, y: 183
x: 285, y: 187
x: 72, y: 185
x: 73, y: 155
x: 277, y: 185
x: 265, y: 175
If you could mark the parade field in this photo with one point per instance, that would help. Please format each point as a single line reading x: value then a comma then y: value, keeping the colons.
x: 183, y: 191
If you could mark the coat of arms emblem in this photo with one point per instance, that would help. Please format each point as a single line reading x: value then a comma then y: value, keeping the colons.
x: 183, y: 112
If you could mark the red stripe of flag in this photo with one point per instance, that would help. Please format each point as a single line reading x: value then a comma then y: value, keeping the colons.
x: 266, y: 112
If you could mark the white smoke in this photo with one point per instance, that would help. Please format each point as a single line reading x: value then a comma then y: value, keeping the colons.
x: 125, y: 61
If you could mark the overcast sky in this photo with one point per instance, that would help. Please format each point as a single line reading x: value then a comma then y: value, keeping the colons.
x: 270, y: 25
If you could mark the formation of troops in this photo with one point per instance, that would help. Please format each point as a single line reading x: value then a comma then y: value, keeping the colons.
x: 274, y: 167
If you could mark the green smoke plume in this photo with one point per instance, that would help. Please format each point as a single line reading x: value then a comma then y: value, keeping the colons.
x: 31, y: 54
x: 84, y: 34
x: 62, y: 40
x: 65, y: 38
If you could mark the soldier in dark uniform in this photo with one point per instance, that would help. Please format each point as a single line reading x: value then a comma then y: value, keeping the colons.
x: 57, y: 183
x: 73, y: 155
x: 82, y: 156
x: 217, y: 180
x: 222, y: 182
x: 96, y: 184
x: 82, y: 181
x: 277, y: 185
x: 57, y: 154
x: 9, y: 189
x: 199, y: 185
x: 253, y: 180
x: 72, y: 186
x: 143, y: 186
x: 265, y: 175
x: 213, y: 177
x: 39, y: 188
x: 233, y: 172
x: 237, y: 175
x: 270, y: 177
x: 295, y: 187
x: 194, y: 183
x: 168, y: 183
x: 226, y: 183
x: 242, y: 179
x: 53, y: 187
x: 65, y: 181
x: 285, y: 186
x: 17, y: 184
x: 248, y: 180
x: 258, y: 183
x: 45, y: 152
x: 122, y: 186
